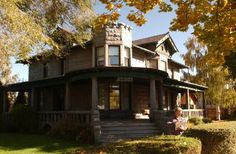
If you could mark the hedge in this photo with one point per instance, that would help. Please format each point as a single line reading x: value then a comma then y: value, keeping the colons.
x: 158, y: 144
x: 217, y: 138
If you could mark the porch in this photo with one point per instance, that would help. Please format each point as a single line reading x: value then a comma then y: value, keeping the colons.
x: 94, y: 95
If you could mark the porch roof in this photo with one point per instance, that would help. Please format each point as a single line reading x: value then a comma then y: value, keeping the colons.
x: 101, y: 72
x: 183, y: 85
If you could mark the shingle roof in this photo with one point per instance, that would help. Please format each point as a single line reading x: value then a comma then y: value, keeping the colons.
x: 148, y: 40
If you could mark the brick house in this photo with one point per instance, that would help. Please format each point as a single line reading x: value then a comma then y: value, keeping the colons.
x: 112, y: 78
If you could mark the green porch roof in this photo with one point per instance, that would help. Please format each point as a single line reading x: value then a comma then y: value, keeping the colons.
x: 101, y: 72
x: 183, y: 85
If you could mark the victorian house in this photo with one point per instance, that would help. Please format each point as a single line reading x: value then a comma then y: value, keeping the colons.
x: 110, y: 82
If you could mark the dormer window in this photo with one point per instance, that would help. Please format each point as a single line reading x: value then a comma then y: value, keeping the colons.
x: 45, y: 70
x: 114, y: 55
x: 100, y: 56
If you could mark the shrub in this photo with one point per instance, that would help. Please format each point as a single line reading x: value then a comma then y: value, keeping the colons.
x: 23, y: 118
x: 206, y: 120
x: 216, y: 138
x: 195, y: 120
x: 71, y: 130
x: 159, y: 144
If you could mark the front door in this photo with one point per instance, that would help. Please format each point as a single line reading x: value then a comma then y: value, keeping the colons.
x: 114, y: 96
x: 114, y: 100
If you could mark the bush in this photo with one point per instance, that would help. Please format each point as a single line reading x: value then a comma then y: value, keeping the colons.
x: 71, y: 130
x: 206, y: 120
x: 23, y: 118
x: 195, y: 121
x: 216, y: 138
x: 159, y: 144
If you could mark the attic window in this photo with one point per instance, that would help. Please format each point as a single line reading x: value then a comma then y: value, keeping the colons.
x: 166, y: 47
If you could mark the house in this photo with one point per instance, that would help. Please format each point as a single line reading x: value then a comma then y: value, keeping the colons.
x: 111, y: 78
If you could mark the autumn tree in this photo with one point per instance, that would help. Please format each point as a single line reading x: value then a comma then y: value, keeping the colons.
x: 213, y: 21
x: 27, y: 26
x: 221, y: 86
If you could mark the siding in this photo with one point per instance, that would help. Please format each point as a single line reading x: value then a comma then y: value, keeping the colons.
x: 79, y: 58
x: 138, y: 59
x: 35, y: 71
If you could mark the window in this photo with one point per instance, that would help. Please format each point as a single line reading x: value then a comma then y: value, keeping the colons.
x: 163, y: 65
x: 153, y: 63
x: 114, y: 55
x: 62, y: 67
x: 102, y: 93
x: 127, y: 56
x: 45, y: 70
x: 100, y: 56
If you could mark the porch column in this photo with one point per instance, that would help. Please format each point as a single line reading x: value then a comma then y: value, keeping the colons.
x: 67, y: 96
x: 95, y: 118
x: 152, y: 97
x: 1, y: 102
x: 187, y: 102
x: 160, y: 98
x: 5, y: 106
x: 204, y: 104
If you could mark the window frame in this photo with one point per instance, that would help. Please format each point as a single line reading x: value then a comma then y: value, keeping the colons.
x: 97, y: 57
x: 129, y: 59
x: 118, y: 56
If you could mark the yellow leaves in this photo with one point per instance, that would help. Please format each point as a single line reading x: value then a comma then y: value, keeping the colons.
x: 141, y: 7
x: 110, y: 6
x: 137, y: 18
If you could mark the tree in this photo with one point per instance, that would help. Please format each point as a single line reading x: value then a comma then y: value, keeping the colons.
x: 213, y: 21
x: 221, y: 86
x: 27, y: 25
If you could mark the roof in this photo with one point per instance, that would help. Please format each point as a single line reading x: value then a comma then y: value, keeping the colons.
x: 143, y: 49
x: 48, y: 54
x: 177, y: 63
x: 183, y: 85
x: 148, y: 40
x: 101, y: 72
x: 158, y: 40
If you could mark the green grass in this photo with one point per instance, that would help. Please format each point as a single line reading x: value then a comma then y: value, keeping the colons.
x: 11, y: 143
x: 156, y: 144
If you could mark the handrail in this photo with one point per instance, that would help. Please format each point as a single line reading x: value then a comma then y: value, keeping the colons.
x: 83, y: 117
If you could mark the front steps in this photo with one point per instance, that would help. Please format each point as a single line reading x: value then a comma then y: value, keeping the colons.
x: 115, y: 131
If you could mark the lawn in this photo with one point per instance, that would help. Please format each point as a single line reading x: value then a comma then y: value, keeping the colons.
x: 11, y: 143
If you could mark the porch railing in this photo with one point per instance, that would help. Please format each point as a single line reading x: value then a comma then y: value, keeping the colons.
x: 82, y: 117
x: 191, y: 113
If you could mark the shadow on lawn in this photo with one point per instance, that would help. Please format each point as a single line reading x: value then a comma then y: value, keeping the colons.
x: 37, y: 143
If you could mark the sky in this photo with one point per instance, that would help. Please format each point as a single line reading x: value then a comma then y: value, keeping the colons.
x: 158, y: 23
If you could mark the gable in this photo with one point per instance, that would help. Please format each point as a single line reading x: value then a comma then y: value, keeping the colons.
x: 160, y: 43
